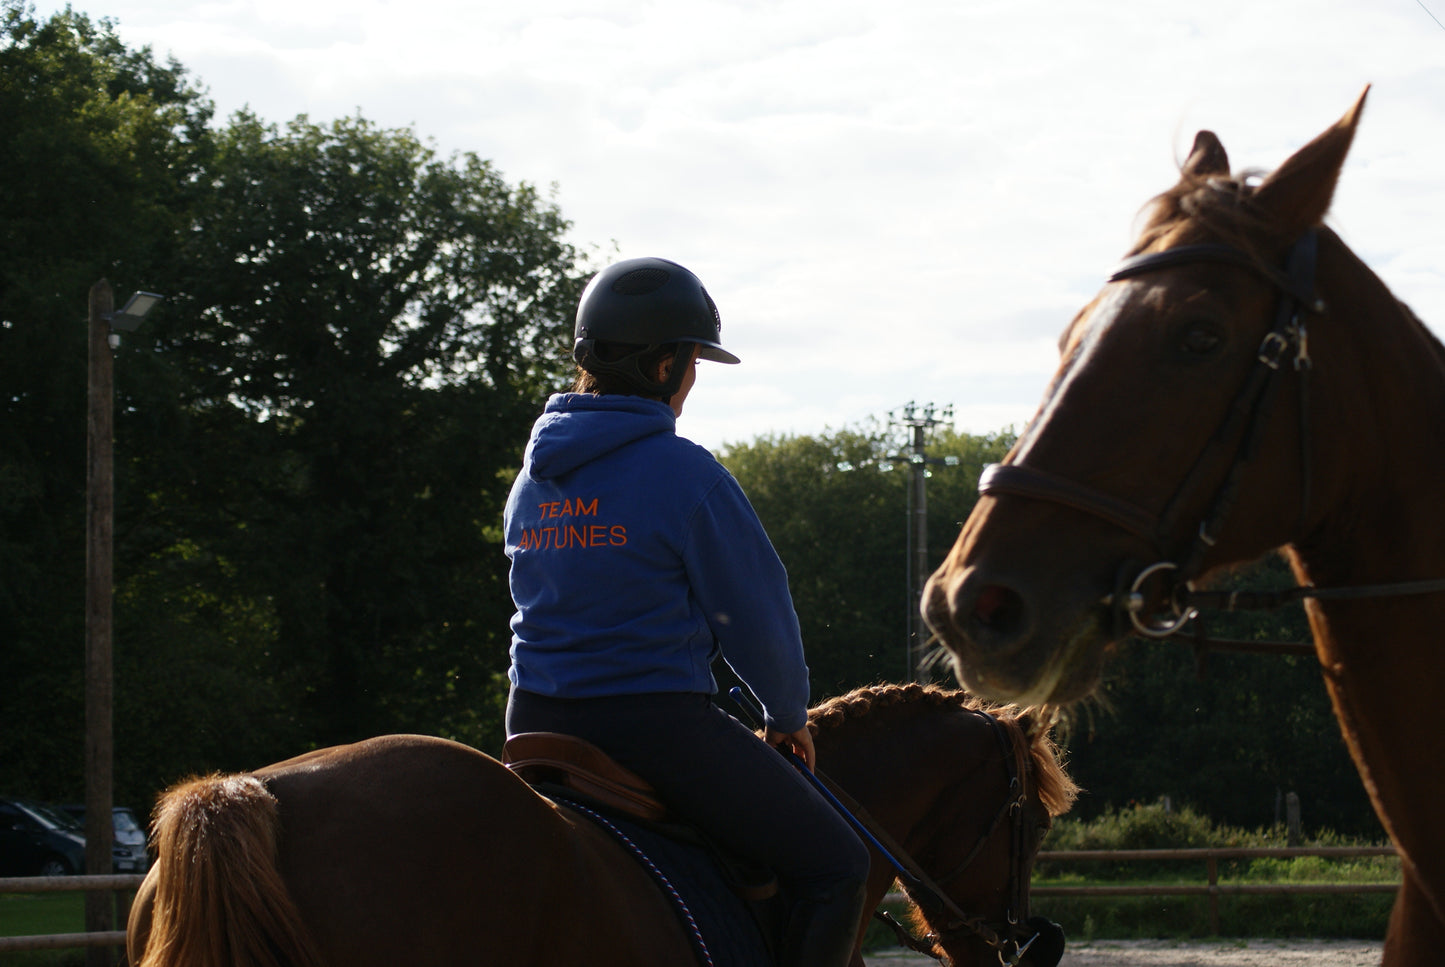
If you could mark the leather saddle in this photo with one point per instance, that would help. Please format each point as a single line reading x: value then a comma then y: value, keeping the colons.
x: 555, y: 761
x: 565, y: 761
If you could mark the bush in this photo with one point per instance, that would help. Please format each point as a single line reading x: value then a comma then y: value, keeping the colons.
x: 1156, y: 826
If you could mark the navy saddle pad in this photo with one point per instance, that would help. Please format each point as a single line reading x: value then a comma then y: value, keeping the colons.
x: 724, y: 928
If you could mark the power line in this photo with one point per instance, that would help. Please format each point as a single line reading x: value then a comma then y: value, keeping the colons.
x: 1432, y: 16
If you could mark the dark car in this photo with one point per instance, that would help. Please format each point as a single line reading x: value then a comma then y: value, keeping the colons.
x: 36, y: 840
x: 128, y: 851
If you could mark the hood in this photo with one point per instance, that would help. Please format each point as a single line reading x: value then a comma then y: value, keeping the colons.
x: 577, y: 428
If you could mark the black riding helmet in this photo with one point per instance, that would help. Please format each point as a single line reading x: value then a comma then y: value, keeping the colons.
x: 636, y: 305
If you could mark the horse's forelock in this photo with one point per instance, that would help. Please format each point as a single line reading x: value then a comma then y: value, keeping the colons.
x: 1208, y: 206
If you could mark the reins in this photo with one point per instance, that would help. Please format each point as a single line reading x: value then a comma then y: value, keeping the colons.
x: 1245, y: 419
x: 1232, y: 601
x: 922, y: 889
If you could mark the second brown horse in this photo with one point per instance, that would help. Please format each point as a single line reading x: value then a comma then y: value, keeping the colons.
x: 418, y: 851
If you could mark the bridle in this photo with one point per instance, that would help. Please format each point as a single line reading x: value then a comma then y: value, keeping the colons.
x: 1005, y: 937
x: 1245, y: 420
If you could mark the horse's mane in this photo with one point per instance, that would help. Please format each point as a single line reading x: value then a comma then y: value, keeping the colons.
x: 1055, y: 789
x: 862, y: 702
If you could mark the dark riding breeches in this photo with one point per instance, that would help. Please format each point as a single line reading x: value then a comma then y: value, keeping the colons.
x: 714, y: 772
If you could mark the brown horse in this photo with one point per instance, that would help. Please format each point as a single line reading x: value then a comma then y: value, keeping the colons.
x: 419, y: 851
x: 1242, y: 383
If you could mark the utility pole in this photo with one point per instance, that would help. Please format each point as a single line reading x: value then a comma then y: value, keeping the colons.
x: 919, y: 420
x: 104, y: 328
x: 99, y: 534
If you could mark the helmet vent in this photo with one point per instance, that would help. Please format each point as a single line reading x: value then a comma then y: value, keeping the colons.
x: 716, y: 316
x: 641, y: 281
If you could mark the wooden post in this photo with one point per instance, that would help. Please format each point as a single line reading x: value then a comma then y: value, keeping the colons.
x: 99, y: 531
x: 1213, y: 866
x: 1293, y: 836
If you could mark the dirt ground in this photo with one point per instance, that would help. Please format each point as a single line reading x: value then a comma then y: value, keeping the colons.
x: 1171, y: 953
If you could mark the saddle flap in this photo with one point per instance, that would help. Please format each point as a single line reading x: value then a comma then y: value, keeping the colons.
x: 576, y: 764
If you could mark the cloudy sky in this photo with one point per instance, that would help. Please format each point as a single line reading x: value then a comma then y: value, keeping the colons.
x: 889, y: 201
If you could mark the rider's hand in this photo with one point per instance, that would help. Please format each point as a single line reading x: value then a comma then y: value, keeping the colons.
x: 801, y: 742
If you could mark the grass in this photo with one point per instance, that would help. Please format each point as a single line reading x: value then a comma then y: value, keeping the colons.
x: 25, y: 914
x: 22, y: 914
x: 43, y: 958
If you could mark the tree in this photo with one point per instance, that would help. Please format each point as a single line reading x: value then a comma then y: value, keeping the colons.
x: 365, y: 333
x: 1231, y: 735
x: 836, y: 509
x: 314, y: 434
x: 100, y: 148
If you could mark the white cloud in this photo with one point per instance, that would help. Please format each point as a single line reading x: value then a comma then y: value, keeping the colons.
x: 888, y: 202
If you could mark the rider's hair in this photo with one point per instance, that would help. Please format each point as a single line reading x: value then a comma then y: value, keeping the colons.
x: 648, y: 359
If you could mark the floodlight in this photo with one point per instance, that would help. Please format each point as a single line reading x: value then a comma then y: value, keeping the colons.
x: 129, y: 318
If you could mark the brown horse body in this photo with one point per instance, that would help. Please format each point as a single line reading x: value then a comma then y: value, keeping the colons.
x: 415, y: 850
x: 1345, y: 477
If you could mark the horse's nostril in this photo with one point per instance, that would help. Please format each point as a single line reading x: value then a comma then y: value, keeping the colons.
x: 997, y: 608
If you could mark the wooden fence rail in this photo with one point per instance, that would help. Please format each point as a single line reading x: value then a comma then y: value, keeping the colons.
x: 1209, y: 856
x: 1212, y: 888
x: 67, y: 884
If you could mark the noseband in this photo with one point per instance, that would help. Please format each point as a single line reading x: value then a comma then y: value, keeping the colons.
x: 1296, y: 286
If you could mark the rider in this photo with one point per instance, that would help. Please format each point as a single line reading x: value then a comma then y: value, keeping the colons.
x: 636, y: 560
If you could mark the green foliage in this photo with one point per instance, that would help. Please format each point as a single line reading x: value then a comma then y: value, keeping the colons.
x: 314, y: 435
x: 372, y: 328
x: 100, y: 151
x: 836, y: 508
x: 1233, y: 742
x: 1156, y: 826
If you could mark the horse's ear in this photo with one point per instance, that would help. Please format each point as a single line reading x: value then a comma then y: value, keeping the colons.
x: 1297, y: 193
x: 1207, y: 157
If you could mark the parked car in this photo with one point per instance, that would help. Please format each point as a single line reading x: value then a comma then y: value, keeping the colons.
x: 128, y: 852
x: 36, y: 840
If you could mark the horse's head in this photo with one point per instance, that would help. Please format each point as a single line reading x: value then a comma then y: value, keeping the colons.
x: 995, y: 871
x: 1167, y: 442
x: 970, y: 793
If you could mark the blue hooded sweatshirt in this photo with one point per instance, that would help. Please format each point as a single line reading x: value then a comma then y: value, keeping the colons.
x: 637, y: 560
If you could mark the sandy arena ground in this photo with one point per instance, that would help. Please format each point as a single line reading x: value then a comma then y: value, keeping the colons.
x: 1171, y: 953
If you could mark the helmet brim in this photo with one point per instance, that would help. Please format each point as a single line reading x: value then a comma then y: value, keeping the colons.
x: 715, y: 353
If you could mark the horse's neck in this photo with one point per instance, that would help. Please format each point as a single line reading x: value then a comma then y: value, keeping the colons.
x: 898, y: 788
x: 1384, y: 524
x: 1379, y: 390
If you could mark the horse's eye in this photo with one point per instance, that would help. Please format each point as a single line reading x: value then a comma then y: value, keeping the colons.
x: 1200, y: 341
